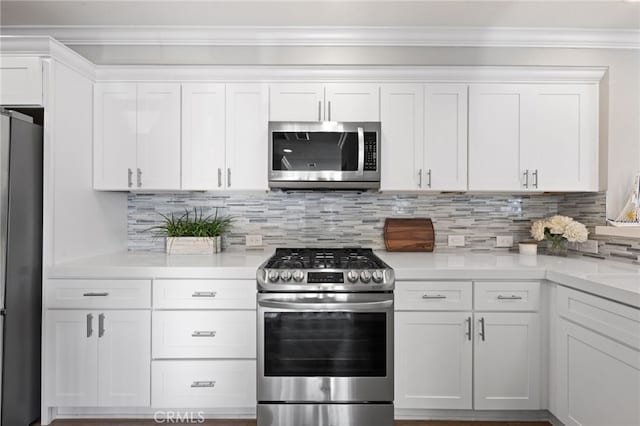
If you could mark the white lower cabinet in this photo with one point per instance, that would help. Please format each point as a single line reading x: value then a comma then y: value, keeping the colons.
x: 98, y: 358
x: 433, y: 358
x: 507, y: 361
x: 199, y: 384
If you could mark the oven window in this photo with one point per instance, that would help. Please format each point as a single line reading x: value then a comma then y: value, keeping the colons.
x: 315, y: 151
x: 320, y: 344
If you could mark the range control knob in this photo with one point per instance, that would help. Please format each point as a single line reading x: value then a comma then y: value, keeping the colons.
x: 352, y: 276
x: 273, y: 276
x: 365, y: 276
x: 377, y: 276
x: 298, y: 276
x: 285, y: 275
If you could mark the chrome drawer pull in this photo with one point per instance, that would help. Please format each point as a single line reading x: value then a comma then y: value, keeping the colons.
x: 436, y: 296
x: 103, y: 294
x: 208, y: 384
x: 203, y: 334
x: 512, y: 297
x: 204, y: 294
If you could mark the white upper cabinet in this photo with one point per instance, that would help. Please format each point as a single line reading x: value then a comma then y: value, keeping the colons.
x: 445, y: 141
x: 402, y: 119
x: 20, y: 81
x: 115, y: 136
x: 203, y: 136
x: 535, y: 137
x: 352, y: 102
x: 495, y: 112
x: 158, y: 148
x: 296, y: 102
x: 247, y: 136
x: 560, y: 137
x: 136, y: 136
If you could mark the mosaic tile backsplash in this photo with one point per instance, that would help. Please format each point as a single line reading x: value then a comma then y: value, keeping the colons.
x: 347, y: 218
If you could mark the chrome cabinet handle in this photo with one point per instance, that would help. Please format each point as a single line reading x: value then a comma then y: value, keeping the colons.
x: 482, y: 329
x: 92, y: 294
x: 429, y: 178
x: 436, y: 296
x: 203, y: 334
x: 329, y: 109
x: 229, y: 177
x: 204, y: 294
x: 420, y: 178
x: 129, y: 178
x: 468, y: 333
x: 100, y: 325
x: 526, y: 178
x: 203, y: 384
x: 139, y: 176
x: 319, y: 110
x: 89, y: 325
x: 219, y: 177
x: 535, y: 178
x: 512, y: 297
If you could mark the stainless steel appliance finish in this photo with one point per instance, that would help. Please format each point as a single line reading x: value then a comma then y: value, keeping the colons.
x: 325, y: 415
x: 20, y: 267
x: 325, y: 338
x: 324, y: 155
x: 340, y: 270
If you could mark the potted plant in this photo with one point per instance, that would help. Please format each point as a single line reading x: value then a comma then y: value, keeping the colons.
x: 558, y: 230
x: 193, y: 232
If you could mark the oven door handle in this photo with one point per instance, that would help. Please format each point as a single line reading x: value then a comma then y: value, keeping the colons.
x: 361, y: 152
x: 332, y: 306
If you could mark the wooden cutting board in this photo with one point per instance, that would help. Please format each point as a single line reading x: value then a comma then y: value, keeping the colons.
x: 408, y: 234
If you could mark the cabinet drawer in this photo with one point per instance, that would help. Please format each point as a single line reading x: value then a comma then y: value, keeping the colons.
x: 102, y: 294
x: 433, y: 296
x: 204, y: 334
x: 614, y: 320
x: 507, y: 296
x: 203, y: 384
x: 204, y: 294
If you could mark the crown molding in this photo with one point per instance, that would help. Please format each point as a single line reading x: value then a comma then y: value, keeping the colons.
x: 388, y: 74
x: 46, y: 47
x: 336, y: 36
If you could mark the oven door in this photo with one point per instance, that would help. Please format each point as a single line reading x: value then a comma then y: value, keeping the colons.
x: 326, y: 152
x: 324, y: 347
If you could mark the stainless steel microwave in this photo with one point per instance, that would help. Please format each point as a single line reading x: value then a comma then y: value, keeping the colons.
x: 324, y: 155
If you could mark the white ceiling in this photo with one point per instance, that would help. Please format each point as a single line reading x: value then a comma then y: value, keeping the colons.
x: 614, y: 14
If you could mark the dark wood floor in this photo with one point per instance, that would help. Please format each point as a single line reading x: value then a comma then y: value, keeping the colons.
x: 253, y: 423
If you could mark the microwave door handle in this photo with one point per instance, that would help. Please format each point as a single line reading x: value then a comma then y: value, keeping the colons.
x: 355, y: 306
x: 360, y: 151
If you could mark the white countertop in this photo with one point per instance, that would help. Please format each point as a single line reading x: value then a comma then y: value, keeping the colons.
x: 613, y: 280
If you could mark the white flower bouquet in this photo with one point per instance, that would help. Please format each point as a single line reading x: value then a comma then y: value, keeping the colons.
x: 558, y: 229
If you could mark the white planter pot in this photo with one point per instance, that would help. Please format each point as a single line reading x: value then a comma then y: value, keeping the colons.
x: 193, y: 245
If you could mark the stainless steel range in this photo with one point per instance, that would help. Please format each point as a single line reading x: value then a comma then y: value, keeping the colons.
x: 325, y: 339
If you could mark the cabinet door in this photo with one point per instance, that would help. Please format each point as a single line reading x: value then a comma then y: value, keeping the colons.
x: 495, y: 136
x: 71, y: 358
x: 114, y: 136
x: 124, y: 358
x: 20, y: 81
x: 352, y: 102
x: 247, y: 136
x: 598, y: 380
x: 560, y: 137
x: 296, y: 102
x: 445, y: 142
x: 433, y: 359
x: 203, y: 138
x: 402, y: 135
x: 158, y: 148
x: 507, y: 361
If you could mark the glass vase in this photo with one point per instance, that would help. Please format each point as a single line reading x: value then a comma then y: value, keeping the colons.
x: 557, y: 246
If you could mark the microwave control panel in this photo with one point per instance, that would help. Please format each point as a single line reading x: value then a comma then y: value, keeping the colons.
x: 370, y: 151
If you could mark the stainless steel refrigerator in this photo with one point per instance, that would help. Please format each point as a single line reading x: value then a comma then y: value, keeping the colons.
x: 20, y: 267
